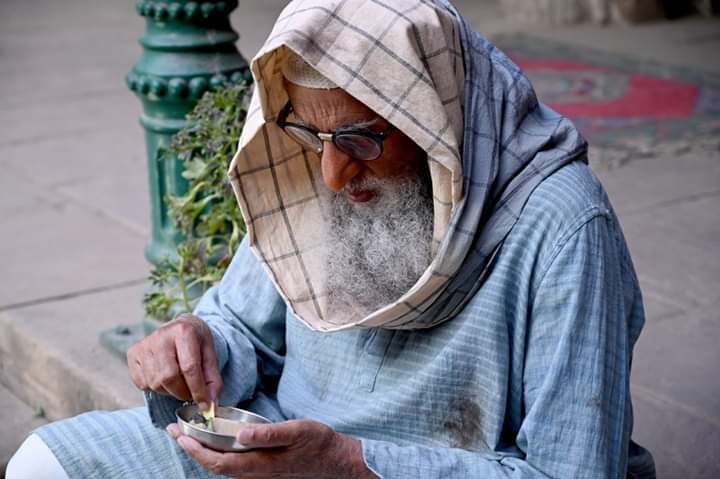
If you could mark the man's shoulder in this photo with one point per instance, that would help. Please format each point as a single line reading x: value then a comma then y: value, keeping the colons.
x: 558, y: 207
x: 571, y: 195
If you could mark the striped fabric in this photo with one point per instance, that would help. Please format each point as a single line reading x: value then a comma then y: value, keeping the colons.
x: 118, y: 445
x: 419, y: 65
x: 530, y: 380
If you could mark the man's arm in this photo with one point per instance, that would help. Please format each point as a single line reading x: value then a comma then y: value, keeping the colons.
x: 576, y: 386
x: 247, y: 320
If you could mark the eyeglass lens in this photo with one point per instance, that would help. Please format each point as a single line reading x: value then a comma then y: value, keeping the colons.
x: 357, y: 146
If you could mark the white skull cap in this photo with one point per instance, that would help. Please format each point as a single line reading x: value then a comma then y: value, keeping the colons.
x: 298, y: 71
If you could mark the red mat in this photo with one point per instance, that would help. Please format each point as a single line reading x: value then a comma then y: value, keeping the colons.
x: 611, y: 96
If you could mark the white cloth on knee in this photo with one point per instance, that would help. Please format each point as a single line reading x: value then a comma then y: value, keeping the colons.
x: 120, y: 444
x: 34, y: 460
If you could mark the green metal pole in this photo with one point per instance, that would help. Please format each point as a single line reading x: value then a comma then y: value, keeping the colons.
x: 188, y: 48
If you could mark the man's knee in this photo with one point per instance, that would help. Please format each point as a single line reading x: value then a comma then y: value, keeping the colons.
x: 34, y: 460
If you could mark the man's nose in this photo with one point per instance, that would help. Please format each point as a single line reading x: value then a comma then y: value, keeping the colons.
x: 338, y: 168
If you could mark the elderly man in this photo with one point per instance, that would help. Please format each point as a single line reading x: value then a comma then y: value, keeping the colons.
x: 433, y: 283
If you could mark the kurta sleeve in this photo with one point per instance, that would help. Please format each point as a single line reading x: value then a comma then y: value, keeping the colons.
x: 581, y: 328
x: 247, y: 320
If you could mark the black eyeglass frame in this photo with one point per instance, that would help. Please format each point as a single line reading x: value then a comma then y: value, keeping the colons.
x: 378, y: 137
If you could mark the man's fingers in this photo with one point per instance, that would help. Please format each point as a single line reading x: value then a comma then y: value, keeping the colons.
x: 189, y: 358
x: 167, y: 371
x: 153, y: 365
x: 136, y: 373
x: 178, y: 359
x: 216, y: 462
x: 135, y: 366
x: 176, y: 387
x: 149, y: 368
x: 271, y: 435
x: 174, y: 430
x: 279, y: 446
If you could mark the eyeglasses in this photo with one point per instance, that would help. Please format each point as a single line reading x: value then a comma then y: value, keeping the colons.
x: 359, y: 143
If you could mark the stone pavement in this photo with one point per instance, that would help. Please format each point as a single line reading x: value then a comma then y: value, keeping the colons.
x: 74, y: 218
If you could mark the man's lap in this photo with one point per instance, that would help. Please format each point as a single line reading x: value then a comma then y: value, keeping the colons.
x: 117, y: 444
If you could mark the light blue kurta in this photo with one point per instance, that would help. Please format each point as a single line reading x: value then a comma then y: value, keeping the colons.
x: 530, y: 380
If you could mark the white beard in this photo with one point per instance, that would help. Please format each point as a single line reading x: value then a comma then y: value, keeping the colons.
x: 375, y: 251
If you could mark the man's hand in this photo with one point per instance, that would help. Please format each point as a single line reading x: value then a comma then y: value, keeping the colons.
x: 178, y: 359
x: 286, y: 449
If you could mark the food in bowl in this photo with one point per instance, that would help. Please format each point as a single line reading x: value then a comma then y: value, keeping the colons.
x: 220, y: 431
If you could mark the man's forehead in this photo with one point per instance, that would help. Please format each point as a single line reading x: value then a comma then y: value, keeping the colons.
x: 336, y: 105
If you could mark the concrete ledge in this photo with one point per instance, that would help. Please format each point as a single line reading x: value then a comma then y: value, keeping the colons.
x: 51, y: 358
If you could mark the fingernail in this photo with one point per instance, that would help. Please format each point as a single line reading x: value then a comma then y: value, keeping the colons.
x: 203, y: 406
x: 245, y: 435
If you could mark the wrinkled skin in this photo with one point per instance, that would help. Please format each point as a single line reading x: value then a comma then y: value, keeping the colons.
x: 328, y: 110
x: 297, y: 449
x: 179, y: 360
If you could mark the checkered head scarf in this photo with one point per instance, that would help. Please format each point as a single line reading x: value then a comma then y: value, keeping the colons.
x: 419, y: 65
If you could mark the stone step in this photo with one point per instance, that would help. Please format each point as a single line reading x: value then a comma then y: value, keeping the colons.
x: 51, y: 357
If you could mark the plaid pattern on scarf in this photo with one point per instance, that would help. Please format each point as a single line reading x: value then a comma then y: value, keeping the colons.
x: 419, y: 65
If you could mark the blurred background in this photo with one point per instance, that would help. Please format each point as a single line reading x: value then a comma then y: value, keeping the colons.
x: 641, y: 79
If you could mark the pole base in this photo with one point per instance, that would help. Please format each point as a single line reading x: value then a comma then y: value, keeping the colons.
x: 119, y: 339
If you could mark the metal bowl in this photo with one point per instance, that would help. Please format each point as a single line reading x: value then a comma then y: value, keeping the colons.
x: 231, y: 419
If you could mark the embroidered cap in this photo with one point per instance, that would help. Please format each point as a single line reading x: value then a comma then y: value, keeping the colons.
x: 298, y: 71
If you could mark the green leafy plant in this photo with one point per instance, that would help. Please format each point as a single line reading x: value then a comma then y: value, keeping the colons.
x: 207, y: 216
